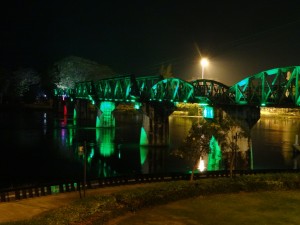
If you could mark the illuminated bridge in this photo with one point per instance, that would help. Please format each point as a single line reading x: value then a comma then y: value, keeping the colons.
x: 278, y: 87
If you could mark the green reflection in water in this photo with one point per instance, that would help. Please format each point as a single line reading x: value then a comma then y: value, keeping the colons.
x: 91, y: 155
x: 143, y: 154
x: 74, y: 114
x: 106, y: 136
x: 214, y: 156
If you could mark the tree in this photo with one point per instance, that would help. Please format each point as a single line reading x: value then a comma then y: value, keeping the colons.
x: 197, y: 142
x: 24, y: 84
x: 72, y: 69
x: 233, y: 134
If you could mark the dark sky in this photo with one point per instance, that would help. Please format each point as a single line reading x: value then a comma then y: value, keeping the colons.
x: 240, y: 38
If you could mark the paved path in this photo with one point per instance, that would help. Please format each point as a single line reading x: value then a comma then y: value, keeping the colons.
x: 27, y: 208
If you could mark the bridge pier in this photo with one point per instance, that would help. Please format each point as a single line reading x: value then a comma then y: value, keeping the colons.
x: 155, y: 129
x: 81, y: 109
x: 105, y: 117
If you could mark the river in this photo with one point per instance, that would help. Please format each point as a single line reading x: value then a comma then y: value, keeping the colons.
x: 38, y: 146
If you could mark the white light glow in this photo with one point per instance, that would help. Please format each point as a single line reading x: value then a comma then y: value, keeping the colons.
x: 201, y: 166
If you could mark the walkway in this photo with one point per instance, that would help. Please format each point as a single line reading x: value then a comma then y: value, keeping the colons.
x: 27, y: 208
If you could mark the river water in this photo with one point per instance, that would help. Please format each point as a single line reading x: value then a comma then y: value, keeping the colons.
x: 39, y: 146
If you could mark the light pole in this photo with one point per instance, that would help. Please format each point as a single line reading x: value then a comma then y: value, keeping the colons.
x: 204, y: 63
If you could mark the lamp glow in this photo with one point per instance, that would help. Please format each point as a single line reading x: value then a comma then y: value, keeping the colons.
x: 204, y: 63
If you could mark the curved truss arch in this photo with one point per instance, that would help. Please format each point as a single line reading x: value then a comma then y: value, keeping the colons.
x: 210, y: 89
x: 172, y: 89
x: 274, y: 87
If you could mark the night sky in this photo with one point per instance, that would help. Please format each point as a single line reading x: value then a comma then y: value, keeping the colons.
x: 240, y: 38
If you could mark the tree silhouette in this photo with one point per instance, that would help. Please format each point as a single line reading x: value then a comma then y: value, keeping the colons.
x: 197, y: 143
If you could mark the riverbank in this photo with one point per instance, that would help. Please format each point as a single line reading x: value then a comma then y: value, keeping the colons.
x: 280, y: 112
x: 103, y: 206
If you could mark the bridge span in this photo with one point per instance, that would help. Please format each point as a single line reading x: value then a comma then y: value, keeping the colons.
x: 157, y: 97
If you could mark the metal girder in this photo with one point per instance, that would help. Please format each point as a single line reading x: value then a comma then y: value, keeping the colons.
x: 172, y: 90
x: 145, y: 84
x: 66, y: 92
x: 212, y: 90
x: 275, y: 87
x: 84, y: 89
x: 122, y: 89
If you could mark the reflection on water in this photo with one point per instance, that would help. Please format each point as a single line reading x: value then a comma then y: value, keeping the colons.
x: 272, y: 142
x: 40, y: 146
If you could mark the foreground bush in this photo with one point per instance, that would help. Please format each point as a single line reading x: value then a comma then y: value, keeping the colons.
x: 99, y: 209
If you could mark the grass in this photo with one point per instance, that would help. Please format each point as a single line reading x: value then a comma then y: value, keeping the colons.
x: 259, y: 208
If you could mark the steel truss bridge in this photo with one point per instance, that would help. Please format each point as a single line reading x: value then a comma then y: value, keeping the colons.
x: 278, y: 87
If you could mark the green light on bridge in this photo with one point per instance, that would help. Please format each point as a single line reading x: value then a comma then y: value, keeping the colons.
x: 208, y: 112
x: 203, y: 104
x: 204, y: 101
x: 144, y: 137
x: 137, y: 105
x: 263, y: 104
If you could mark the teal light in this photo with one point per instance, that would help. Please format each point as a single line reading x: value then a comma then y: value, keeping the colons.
x: 105, y: 117
x: 203, y: 104
x: 263, y: 104
x: 144, y: 139
x: 208, y: 112
x: 91, y: 155
x: 243, y: 82
x: 137, y: 105
x: 203, y: 101
x: 143, y: 154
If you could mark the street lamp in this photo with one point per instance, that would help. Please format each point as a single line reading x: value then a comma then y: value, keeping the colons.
x: 204, y: 63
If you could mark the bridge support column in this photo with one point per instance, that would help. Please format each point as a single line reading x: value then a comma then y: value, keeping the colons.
x: 155, y: 129
x: 105, y: 117
x: 80, y: 109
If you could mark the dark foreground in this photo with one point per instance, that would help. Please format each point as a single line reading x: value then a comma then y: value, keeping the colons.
x: 199, y: 202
